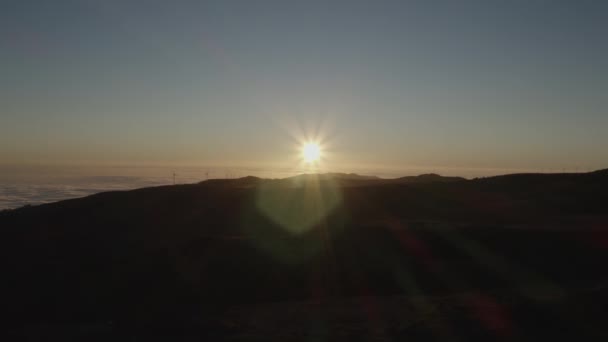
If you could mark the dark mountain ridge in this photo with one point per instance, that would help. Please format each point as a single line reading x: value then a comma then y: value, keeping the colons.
x: 161, y: 257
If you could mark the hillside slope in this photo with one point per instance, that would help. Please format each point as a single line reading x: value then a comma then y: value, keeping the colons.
x: 187, y: 255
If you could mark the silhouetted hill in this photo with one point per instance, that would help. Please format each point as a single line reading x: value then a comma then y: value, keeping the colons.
x: 506, y: 257
x: 343, y: 179
x: 338, y: 176
x: 429, y: 178
x: 603, y: 172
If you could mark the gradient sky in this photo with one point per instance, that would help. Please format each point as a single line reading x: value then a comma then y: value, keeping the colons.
x: 445, y: 84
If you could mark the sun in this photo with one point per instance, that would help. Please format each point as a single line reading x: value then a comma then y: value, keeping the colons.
x: 311, y: 152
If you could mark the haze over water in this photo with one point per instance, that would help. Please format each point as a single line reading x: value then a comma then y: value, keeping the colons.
x: 23, y: 185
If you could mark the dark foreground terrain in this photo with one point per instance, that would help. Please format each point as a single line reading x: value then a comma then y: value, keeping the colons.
x: 314, y: 258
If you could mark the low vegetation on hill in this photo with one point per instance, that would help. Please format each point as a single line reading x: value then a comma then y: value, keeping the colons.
x: 332, y: 257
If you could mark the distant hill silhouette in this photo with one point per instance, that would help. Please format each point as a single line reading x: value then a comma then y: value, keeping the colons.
x: 506, y: 257
x: 429, y: 178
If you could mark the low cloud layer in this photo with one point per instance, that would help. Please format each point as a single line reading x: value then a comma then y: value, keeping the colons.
x: 14, y: 195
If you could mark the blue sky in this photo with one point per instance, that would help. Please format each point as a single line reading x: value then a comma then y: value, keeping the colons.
x: 443, y: 84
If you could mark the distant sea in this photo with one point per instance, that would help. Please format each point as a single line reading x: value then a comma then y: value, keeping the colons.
x: 33, y: 185
x: 36, y: 184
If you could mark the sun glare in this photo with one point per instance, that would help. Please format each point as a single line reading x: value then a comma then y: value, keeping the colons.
x: 311, y: 152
